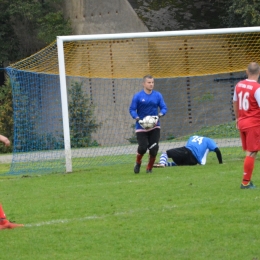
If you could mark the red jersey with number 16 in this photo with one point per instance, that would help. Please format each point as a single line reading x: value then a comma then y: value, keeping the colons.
x: 247, y: 95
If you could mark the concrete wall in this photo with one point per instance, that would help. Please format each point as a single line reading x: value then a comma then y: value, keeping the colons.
x: 102, y: 17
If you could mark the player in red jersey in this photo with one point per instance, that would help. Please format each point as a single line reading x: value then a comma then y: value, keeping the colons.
x: 246, y: 104
x: 4, y: 223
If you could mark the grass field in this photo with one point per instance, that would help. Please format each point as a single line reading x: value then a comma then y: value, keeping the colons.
x: 111, y: 213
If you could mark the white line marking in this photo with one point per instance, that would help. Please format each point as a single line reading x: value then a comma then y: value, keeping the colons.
x: 62, y: 221
x: 58, y: 221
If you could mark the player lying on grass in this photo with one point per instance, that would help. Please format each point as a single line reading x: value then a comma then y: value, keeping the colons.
x: 194, y: 152
x: 4, y: 223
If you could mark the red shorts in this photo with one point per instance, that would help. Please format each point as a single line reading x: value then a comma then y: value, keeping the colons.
x: 250, y: 139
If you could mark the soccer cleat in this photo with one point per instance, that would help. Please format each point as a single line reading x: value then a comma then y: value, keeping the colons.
x: 137, y: 167
x: 148, y: 170
x: 157, y: 165
x: 6, y: 224
x: 250, y: 185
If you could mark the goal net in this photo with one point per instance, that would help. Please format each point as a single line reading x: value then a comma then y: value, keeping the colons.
x: 71, y: 100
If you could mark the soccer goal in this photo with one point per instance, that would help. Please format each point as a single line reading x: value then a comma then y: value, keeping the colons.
x: 71, y: 99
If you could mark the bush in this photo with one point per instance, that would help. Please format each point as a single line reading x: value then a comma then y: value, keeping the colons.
x: 82, y: 120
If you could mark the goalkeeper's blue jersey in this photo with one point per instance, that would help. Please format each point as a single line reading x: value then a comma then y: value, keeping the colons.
x: 144, y: 104
x: 200, y: 147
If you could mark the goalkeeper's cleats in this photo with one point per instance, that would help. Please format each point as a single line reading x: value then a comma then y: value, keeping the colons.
x: 6, y: 224
x: 137, y: 167
x: 250, y: 185
x: 148, y: 170
x: 158, y: 165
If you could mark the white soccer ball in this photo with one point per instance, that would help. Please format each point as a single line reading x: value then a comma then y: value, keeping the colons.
x: 149, y: 122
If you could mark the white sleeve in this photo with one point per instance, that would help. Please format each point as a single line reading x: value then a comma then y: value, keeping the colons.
x: 235, y: 95
x: 257, y: 96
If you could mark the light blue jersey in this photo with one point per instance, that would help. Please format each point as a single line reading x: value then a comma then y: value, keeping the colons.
x: 200, y: 147
x: 144, y: 104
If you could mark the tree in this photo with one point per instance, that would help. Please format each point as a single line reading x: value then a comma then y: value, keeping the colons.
x: 242, y: 13
x: 82, y: 120
x: 28, y: 25
x: 6, y: 114
x: 8, y: 39
x: 51, y: 25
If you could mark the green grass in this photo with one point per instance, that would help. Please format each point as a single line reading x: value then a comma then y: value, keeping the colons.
x: 58, y: 166
x: 111, y: 213
x: 227, y: 130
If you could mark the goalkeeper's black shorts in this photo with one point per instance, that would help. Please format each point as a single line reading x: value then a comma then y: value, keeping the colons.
x: 182, y: 156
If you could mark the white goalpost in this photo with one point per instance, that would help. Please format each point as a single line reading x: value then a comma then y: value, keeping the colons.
x: 62, y: 69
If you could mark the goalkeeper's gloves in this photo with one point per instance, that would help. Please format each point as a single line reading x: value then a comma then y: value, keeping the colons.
x: 160, y: 114
x: 141, y: 122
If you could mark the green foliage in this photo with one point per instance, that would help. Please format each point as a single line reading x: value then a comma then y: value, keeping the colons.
x: 6, y: 114
x: 227, y: 130
x: 25, y: 10
x: 82, y: 120
x: 242, y: 13
x: 170, y: 137
x: 45, y: 19
x: 110, y: 213
x: 51, y: 25
x: 132, y: 139
x: 205, y: 97
x: 29, y: 25
x: 8, y: 38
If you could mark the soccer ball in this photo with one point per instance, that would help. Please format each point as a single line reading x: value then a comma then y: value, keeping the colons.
x: 149, y: 122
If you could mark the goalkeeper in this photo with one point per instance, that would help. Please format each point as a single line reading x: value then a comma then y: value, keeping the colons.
x: 193, y: 153
x: 147, y: 102
x: 4, y: 223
